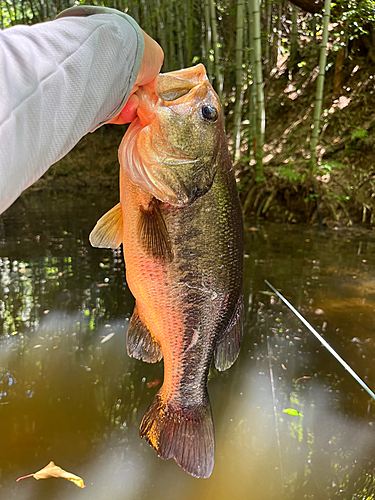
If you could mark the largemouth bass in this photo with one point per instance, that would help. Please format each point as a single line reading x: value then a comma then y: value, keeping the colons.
x: 180, y: 222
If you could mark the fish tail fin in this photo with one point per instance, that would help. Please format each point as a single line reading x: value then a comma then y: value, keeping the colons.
x: 187, y: 435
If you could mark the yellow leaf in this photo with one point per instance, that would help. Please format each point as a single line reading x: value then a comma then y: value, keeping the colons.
x: 52, y: 470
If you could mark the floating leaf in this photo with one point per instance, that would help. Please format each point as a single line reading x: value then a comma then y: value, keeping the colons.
x: 292, y: 412
x: 52, y: 470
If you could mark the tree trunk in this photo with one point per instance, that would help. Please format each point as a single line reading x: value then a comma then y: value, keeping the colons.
x: 320, y: 81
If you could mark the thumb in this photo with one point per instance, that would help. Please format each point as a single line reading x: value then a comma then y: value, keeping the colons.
x: 128, y: 112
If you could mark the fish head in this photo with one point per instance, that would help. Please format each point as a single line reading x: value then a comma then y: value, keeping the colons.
x: 170, y: 150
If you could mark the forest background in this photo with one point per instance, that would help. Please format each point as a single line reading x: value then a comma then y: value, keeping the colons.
x: 296, y: 80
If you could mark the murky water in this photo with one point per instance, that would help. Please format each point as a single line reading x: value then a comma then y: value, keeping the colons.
x: 69, y: 393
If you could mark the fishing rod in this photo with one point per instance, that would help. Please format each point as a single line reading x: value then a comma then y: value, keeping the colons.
x: 321, y: 339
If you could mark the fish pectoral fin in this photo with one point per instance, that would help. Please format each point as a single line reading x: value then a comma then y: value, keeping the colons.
x: 140, y: 343
x: 153, y: 233
x: 108, y: 231
x: 185, y: 434
x: 228, y: 345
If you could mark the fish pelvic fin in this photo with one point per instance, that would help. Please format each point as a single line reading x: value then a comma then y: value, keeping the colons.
x: 228, y: 345
x: 140, y: 343
x: 153, y: 233
x: 108, y: 231
x: 187, y: 435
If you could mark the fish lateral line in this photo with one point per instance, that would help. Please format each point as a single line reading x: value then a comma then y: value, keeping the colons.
x: 323, y: 341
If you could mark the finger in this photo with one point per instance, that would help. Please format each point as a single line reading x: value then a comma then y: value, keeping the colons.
x: 128, y: 112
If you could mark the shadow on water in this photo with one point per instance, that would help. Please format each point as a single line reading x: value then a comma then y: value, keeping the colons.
x: 290, y: 422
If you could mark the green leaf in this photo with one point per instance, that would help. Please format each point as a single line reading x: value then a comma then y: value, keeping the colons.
x: 292, y: 412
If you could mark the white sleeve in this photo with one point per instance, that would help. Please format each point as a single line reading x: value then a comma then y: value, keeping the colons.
x: 58, y: 81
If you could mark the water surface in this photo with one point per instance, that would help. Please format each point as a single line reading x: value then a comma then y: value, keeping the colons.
x: 69, y: 392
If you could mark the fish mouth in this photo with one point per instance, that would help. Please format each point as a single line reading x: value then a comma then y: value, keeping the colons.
x: 175, y: 87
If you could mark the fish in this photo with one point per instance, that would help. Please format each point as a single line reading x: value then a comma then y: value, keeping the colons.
x: 180, y: 222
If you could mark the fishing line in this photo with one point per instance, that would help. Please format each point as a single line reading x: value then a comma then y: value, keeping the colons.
x: 324, y: 342
x: 273, y: 389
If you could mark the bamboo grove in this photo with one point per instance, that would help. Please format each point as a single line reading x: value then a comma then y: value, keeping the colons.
x: 243, y: 44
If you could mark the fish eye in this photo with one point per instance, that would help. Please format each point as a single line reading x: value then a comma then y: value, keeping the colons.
x: 210, y: 114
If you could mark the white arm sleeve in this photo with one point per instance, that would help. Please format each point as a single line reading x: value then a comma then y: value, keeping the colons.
x: 58, y: 81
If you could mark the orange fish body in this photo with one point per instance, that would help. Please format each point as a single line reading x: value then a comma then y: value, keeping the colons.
x: 180, y: 222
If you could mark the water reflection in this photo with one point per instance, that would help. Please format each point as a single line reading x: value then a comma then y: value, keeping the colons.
x: 67, y: 396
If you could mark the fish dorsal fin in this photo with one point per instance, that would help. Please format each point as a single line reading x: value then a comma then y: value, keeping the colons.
x: 108, y: 231
x: 153, y: 233
x: 228, y: 345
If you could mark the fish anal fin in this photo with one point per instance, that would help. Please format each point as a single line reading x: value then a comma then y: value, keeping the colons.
x: 108, y: 231
x: 228, y: 345
x: 153, y: 233
x: 140, y: 343
x: 185, y: 434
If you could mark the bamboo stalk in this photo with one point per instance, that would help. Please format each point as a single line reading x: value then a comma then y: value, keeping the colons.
x: 253, y: 139
x: 239, y: 73
x: 293, y: 39
x: 259, y: 87
x: 320, y: 82
x: 278, y: 25
x: 185, y: 6
x: 269, y: 37
x: 160, y: 18
x: 207, y: 26
x: 146, y: 24
x: 172, y: 58
x: 179, y: 36
x: 215, y: 43
x: 190, y: 11
x: 35, y: 17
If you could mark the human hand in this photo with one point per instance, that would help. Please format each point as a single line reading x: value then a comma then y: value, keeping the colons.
x: 150, y: 67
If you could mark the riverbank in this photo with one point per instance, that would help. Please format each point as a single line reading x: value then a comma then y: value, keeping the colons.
x: 340, y: 188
